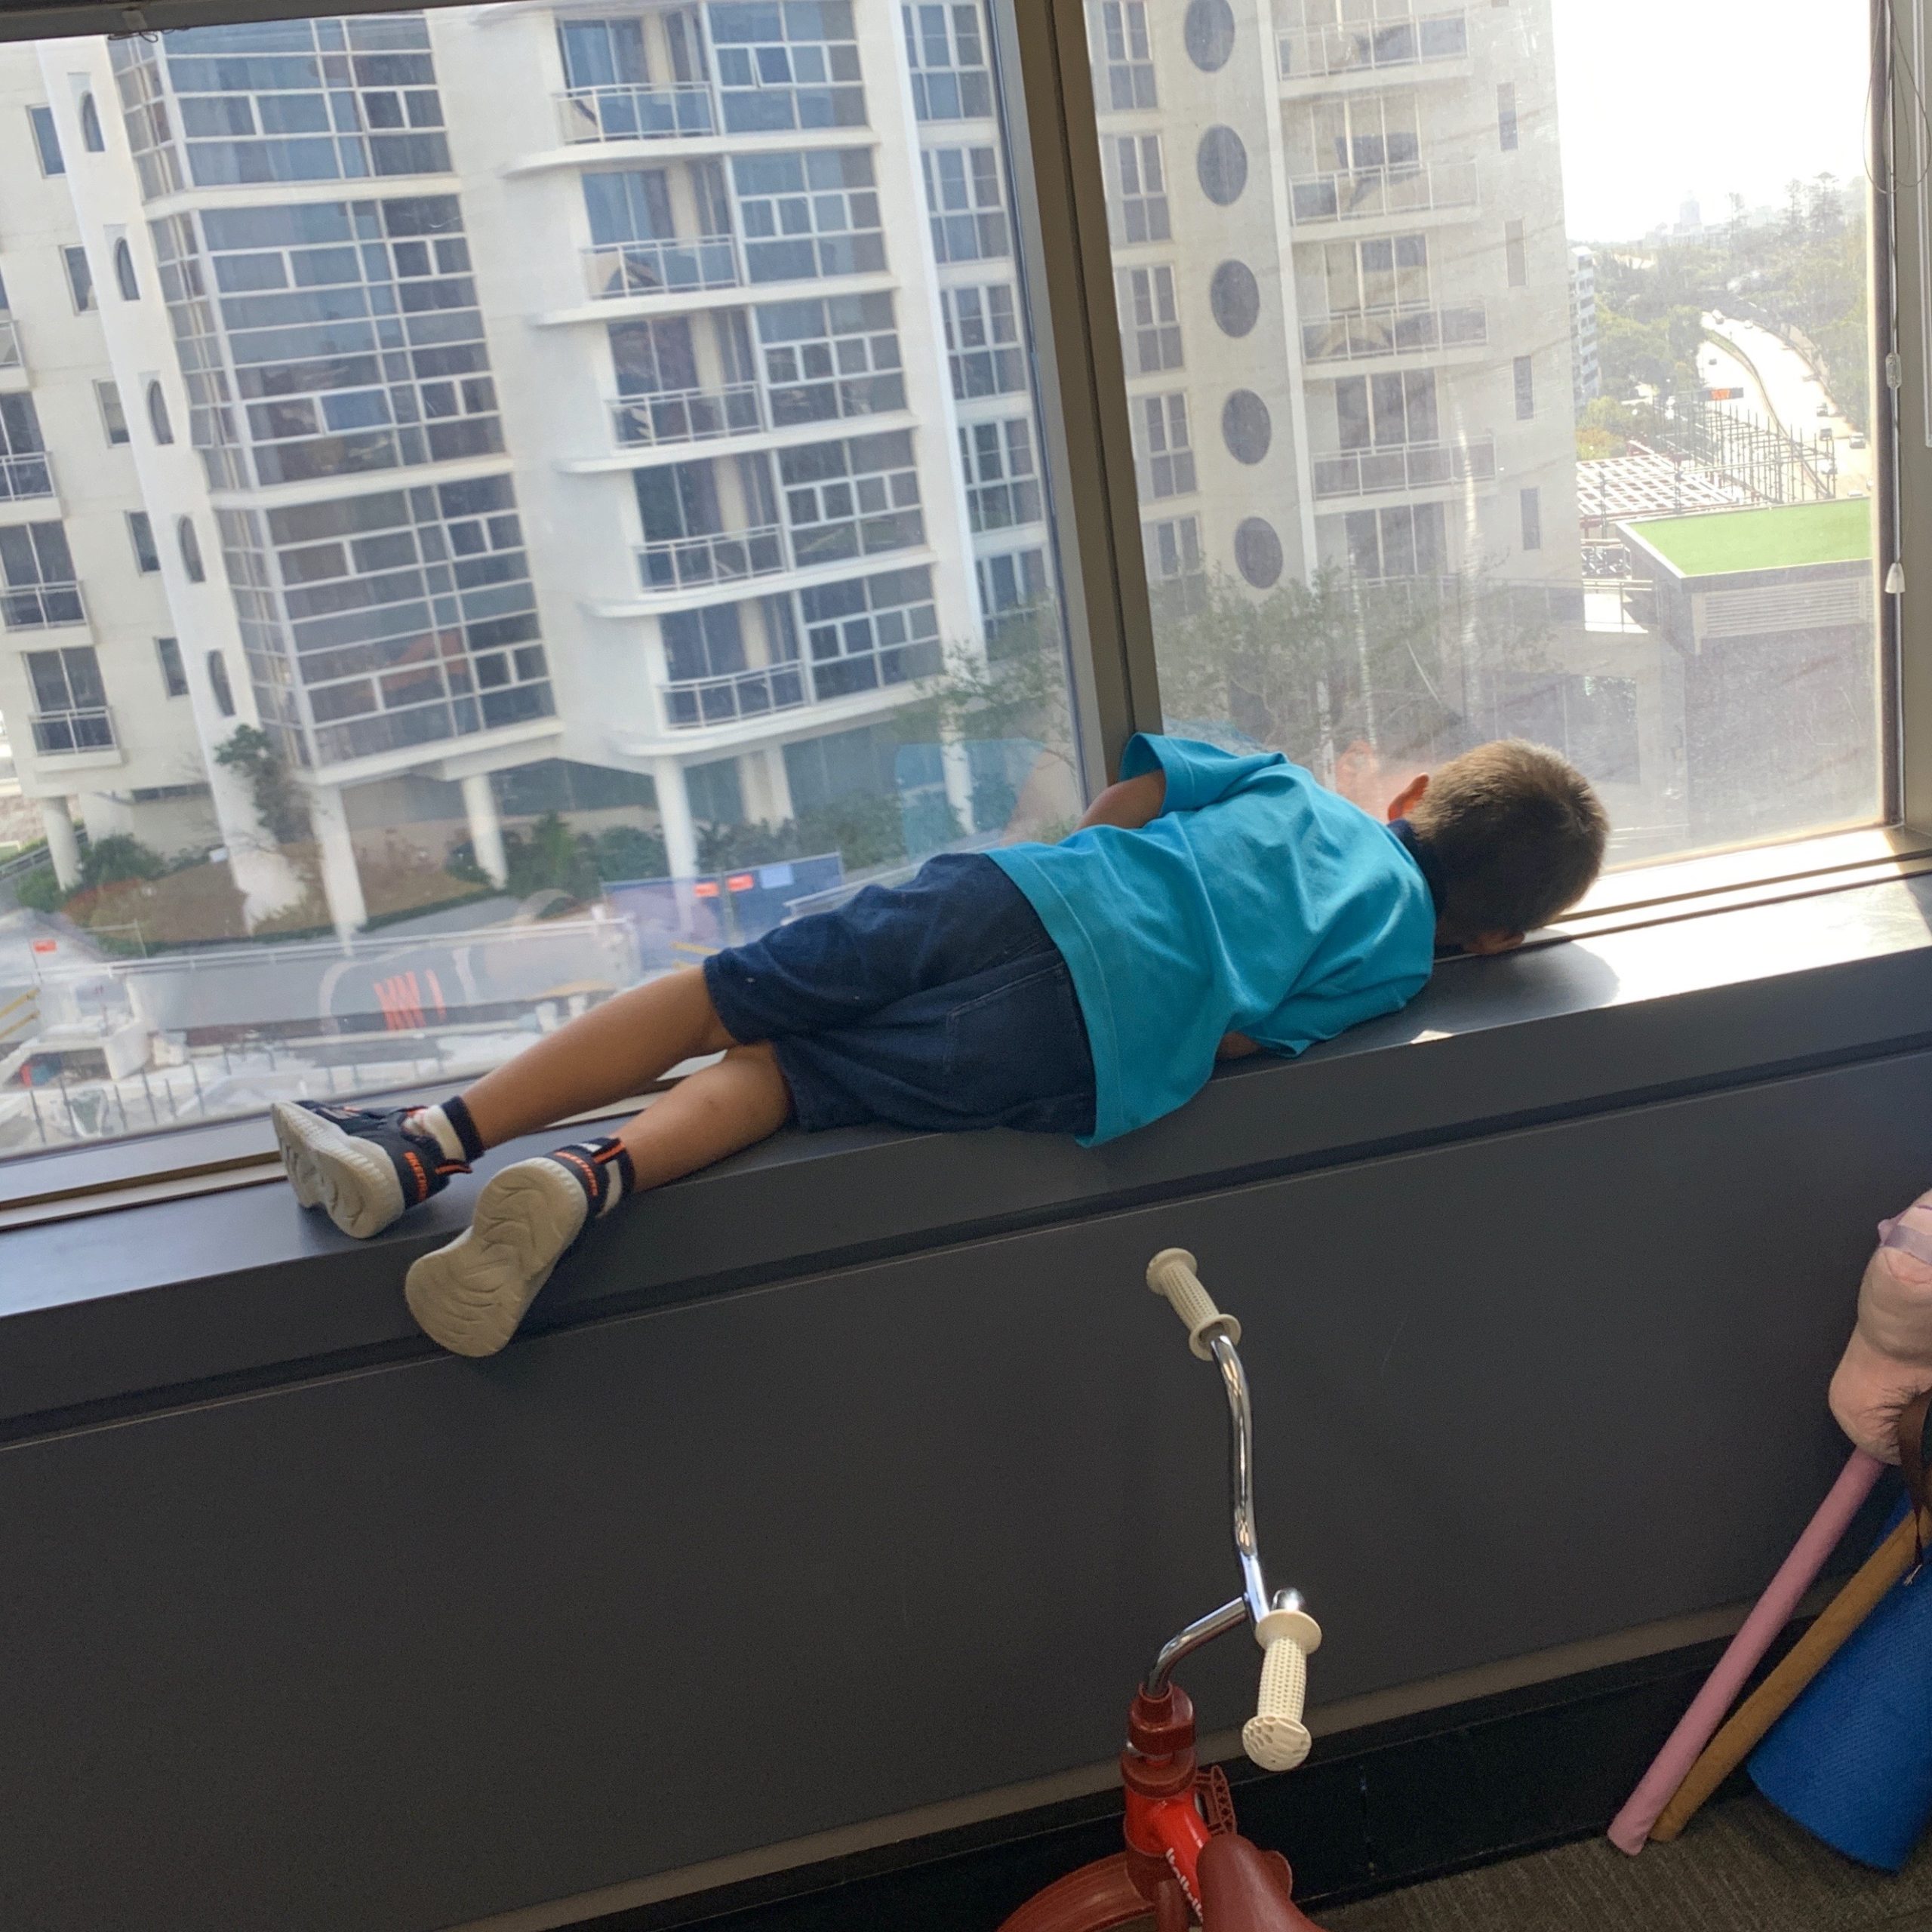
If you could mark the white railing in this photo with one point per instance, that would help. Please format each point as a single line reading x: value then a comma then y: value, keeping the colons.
x: 1405, y: 329
x: 730, y: 557
x: 10, y: 343
x: 1318, y: 54
x: 22, y: 477
x: 690, y: 703
x: 1371, y: 194
x: 687, y: 416
x: 659, y: 268
x: 40, y: 606
x: 1410, y: 466
x: 639, y: 112
x: 74, y: 731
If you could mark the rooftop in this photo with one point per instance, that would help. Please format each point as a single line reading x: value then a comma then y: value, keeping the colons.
x: 1719, y: 542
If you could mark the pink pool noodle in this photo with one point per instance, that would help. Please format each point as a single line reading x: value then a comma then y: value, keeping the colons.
x: 1632, y: 1825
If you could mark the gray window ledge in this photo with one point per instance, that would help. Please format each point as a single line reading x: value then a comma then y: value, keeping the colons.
x: 125, y: 1311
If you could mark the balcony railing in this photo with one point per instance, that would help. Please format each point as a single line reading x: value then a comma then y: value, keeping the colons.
x: 22, y: 477
x: 1317, y: 54
x: 10, y: 343
x: 1371, y: 194
x: 660, y: 268
x: 1411, y: 467
x: 685, y: 562
x: 635, y: 113
x: 40, y: 606
x: 690, y: 703
x: 686, y: 415
x: 65, y: 731
x: 1405, y: 329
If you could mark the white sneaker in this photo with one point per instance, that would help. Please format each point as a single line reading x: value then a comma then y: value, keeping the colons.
x: 365, y: 1166
x: 470, y: 1295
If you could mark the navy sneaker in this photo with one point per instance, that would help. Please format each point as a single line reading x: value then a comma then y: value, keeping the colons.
x: 470, y: 1295
x: 365, y: 1165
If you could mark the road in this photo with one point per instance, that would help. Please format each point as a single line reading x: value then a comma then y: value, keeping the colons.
x: 1785, y: 387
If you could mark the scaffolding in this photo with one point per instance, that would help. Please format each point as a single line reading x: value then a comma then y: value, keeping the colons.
x: 1738, y: 450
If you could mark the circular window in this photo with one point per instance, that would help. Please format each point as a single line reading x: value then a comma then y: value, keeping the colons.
x: 1222, y: 165
x: 1258, y: 552
x: 123, y: 273
x: 1209, y: 34
x: 163, y: 430
x: 1235, y: 298
x: 1246, y: 426
x: 191, y: 549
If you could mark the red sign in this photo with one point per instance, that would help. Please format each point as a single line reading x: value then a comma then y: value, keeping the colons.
x: 47, y: 946
x: 705, y: 888
x: 741, y: 882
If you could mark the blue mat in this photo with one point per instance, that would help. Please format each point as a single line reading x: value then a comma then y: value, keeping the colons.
x: 1851, y: 1761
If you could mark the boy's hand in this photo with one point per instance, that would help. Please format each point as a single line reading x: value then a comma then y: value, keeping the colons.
x: 1236, y: 1046
x: 1130, y: 804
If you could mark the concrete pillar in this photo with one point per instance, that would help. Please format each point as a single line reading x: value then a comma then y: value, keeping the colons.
x: 56, y: 819
x: 486, y: 827
x: 342, y: 884
x: 674, y: 817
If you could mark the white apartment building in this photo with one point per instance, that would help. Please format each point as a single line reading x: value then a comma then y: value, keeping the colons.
x: 640, y: 411
x: 1587, y: 370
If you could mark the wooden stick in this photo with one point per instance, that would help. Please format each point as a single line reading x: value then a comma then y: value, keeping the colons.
x: 1779, y: 1691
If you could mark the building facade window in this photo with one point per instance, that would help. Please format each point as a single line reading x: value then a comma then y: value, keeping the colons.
x: 41, y: 587
x: 1258, y: 553
x: 70, y: 711
x: 1247, y: 428
x: 946, y: 50
x: 218, y: 683
x: 1166, y: 446
x: 1220, y: 164
x: 1173, y: 548
x: 809, y: 215
x: 189, y: 544
x: 46, y: 140
x: 80, y: 279
x: 1150, y: 320
x: 1407, y: 540
x: 982, y: 344
x: 1002, y: 479
x: 173, y: 672
x: 1505, y: 113
x: 1515, y: 255
x: 1526, y: 387
x: 124, y: 278
x: 785, y: 67
x: 140, y: 534
x: 1383, y: 412
x: 857, y: 498
x: 1530, y: 504
x: 967, y: 207
x: 1139, y: 201
x: 831, y: 357
x: 91, y: 138
x: 871, y: 634
x: 158, y: 416
x: 1208, y: 32
x: 1124, y: 55
x: 1235, y: 296
x: 1016, y: 598
x: 26, y: 470
x: 113, y: 418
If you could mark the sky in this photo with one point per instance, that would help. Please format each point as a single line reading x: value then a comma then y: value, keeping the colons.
x: 1658, y: 99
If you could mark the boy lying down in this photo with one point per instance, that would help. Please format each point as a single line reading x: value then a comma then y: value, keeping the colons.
x: 1208, y: 906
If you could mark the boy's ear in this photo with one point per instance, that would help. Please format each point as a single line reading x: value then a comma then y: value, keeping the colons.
x: 1408, y: 798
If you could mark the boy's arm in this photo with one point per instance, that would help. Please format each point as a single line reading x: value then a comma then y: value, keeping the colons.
x: 1236, y: 1046
x: 1131, y: 804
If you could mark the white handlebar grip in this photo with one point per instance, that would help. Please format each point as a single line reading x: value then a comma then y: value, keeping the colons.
x: 1275, y: 1737
x: 1171, y: 1273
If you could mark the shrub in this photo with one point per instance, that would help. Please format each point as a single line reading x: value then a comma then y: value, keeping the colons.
x: 108, y: 861
x: 40, y: 892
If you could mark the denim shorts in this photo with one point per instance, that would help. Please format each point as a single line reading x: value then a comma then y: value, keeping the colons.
x: 940, y: 1003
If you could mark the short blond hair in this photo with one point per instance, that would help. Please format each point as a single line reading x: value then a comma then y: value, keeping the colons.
x: 1518, y: 833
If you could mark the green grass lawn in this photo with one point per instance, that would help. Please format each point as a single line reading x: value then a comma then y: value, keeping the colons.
x: 1718, y: 542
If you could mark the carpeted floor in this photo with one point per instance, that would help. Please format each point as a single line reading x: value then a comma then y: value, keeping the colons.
x: 1741, y: 1867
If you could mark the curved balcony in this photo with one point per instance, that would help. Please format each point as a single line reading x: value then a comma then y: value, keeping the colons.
x: 736, y: 556
x: 691, y: 703
x: 638, y: 113
x: 1410, y: 466
x: 32, y: 606
x: 64, y: 732
x: 1314, y: 55
x: 1370, y: 335
x: 620, y: 269
x: 687, y: 416
x: 1382, y: 194
x: 24, y: 478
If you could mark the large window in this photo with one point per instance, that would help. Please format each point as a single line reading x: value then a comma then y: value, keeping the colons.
x: 1525, y: 357
x: 576, y: 470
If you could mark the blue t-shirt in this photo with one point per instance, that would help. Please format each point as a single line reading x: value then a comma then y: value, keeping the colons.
x: 1257, y: 902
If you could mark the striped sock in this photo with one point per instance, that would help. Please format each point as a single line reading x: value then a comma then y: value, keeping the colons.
x: 602, y: 1169
x: 451, y: 1128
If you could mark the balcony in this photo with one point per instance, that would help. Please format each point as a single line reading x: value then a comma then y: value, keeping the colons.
x: 688, y: 563
x: 1410, y: 466
x: 23, y: 478
x: 1370, y: 335
x: 32, y: 606
x: 635, y: 113
x: 1381, y: 194
x: 690, y: 703
x: 1319, y: 54
x: 65, y: 732
x: 621, y: 269
x: 669, y: 416
x: 10, y: 343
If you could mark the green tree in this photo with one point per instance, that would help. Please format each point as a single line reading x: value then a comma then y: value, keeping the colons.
x: 278, y: 799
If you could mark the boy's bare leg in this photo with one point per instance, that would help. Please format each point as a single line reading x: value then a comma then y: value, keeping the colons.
x: 470, y: 1295
x: 607, y: 1054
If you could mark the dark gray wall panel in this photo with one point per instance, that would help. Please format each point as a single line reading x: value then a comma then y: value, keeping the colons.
x: 408, y: 1646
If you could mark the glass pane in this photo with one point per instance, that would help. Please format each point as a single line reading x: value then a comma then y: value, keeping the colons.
x: 576, y: 566
x: 1502, y: 371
